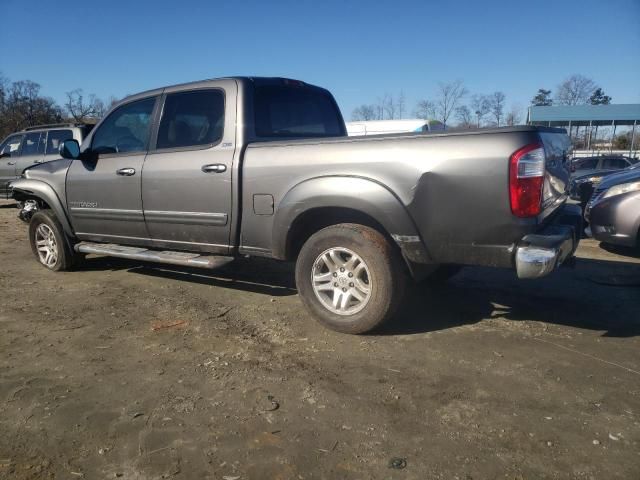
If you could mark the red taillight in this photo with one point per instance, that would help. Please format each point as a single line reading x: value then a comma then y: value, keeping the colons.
x: 526, y: 177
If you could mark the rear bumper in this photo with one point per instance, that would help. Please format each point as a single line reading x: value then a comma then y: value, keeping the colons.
x: 538, y: 254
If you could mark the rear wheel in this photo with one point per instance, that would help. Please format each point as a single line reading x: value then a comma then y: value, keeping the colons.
x: 350, y: 277
x: 49, y: 243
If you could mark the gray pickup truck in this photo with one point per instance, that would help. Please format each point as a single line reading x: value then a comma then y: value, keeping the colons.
x: 199, y: 173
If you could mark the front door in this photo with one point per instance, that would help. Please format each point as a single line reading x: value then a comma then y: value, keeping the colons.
x: 104, y: 189
x: 186, y: 181
x: 9, y: 154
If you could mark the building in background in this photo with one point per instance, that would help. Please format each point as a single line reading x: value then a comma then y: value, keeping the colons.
x: 593, y: 128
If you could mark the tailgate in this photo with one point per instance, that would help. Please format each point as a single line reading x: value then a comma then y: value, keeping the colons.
x: 557, y: 148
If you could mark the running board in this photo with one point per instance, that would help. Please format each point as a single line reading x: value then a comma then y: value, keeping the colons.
x: 140, y: 253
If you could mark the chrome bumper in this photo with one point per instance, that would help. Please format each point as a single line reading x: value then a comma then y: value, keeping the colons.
x: 536, y: 262
x: 539, y: 254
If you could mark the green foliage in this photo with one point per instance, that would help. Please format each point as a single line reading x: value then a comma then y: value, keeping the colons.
x: 599, y: 98
x: 542, y: 98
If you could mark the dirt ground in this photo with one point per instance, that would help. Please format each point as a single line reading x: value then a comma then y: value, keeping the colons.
x: 122, y: 370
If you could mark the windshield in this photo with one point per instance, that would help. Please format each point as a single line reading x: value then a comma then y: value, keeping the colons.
x: 292, y: 111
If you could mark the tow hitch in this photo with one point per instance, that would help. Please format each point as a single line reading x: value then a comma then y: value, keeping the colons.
x: 27, y: 209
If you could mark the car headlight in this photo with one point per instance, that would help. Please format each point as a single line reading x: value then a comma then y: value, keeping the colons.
x: 622, y: 188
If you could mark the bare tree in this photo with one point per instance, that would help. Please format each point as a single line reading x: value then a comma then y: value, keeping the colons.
x: 465, y: 117
x: 401, y: 104
x: 82, y: 109
x: 514, y: 116
x: 425, y: 109
x: 364, y: 113
x: 496, y: 105
x: 480, y: 107
x: 575, y: 90
x: 389, y: 106
x: 449, y: 95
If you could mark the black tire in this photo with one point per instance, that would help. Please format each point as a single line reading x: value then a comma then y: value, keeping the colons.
x: 384, y: 271
x: 65, y: 258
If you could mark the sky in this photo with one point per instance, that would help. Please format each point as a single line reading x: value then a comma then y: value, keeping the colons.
x: 359, y: 50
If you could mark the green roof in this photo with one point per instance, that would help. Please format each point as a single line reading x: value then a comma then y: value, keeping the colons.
x: 621, y: 114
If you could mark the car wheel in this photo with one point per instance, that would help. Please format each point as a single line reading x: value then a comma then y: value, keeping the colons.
x: 350, y: 277
x: 49, y: 243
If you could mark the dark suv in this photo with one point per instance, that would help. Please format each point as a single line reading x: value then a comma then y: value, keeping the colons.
x: 34, y: 145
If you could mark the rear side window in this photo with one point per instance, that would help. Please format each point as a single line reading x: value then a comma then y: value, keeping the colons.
x: 55, y: 139
x: 126, y: 129
x: 191, y: 119
x: 614, y: 163
x: 286, y: 111
x: 33, y: 143
x: 587, y: 164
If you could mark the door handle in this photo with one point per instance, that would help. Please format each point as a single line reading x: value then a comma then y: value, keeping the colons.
x: 214, y: 168
x: 11, y: 163
x: 126, y: 172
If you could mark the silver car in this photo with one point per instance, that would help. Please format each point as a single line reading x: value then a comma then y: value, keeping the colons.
x: 34, y: 145
x: 614, y: 209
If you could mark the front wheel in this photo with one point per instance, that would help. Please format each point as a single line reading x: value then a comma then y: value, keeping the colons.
x: 350, y: 277
x: 48, y: 242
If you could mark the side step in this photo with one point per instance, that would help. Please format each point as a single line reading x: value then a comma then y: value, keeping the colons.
x: 141, y: 253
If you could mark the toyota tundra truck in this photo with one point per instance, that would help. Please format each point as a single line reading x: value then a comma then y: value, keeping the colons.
x: 200, y: 173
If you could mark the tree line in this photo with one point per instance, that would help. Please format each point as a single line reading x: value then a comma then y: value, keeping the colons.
x: 22, y: 105
x: 455, y: 108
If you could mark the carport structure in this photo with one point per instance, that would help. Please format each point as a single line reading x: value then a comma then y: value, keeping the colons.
x: 588, y: 116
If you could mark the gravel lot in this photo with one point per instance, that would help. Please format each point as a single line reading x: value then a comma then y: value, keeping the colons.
x: 122, y: 370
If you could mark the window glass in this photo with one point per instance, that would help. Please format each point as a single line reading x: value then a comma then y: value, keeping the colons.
x: 55, y: 139
x: 126, y: 129
x: 11, y: 145
x: 614, y: 163
x: 33, y: 143
x: 284, y: 111
x: 192, y: 118
x: 587, y: 164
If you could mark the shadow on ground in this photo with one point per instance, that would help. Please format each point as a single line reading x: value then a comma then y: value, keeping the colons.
x: 471, y: 296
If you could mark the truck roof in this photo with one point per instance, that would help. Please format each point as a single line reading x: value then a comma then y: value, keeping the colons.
x: 253, y: 79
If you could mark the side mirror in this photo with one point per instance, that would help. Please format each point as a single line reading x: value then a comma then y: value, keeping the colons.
x: 5, y: 154
x: 70, y: 149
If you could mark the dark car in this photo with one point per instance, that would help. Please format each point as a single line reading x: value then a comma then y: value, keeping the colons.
x: 614, y: 209
x: 581, y: 166
x: 588, y: 172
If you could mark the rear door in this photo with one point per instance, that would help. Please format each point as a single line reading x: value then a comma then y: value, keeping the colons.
x: 103, y: 190
x: 10, y: 151
x: 32, y: 150
x: 186, y: 181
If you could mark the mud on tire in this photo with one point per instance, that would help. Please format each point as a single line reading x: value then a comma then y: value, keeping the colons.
x: 350, y: 277
x: 49, y: 244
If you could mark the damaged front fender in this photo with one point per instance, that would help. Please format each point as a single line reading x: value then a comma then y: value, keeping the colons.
x: 44, y: 195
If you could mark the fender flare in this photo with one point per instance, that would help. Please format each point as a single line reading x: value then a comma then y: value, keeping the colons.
x: 46, y: 193
x: 355, y: 193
